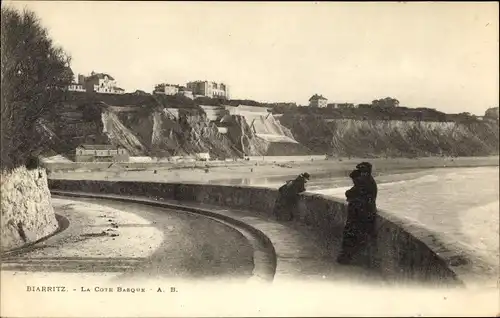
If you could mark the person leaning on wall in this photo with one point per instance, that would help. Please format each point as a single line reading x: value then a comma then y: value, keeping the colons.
x: 369, y: 224
x: 359, y: 231
x: 288, y: 197
x: 368, y: 182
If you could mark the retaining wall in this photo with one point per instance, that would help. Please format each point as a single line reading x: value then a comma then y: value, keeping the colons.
x: 27, y: 214
x: 396, y: 253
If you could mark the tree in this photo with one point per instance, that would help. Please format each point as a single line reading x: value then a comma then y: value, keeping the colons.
x: 491, y: 113
x: 386, y: 102
x: 34, y: 73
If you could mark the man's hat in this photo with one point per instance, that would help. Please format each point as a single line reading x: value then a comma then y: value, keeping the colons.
x: 305, y: 175
x: 364, y: 167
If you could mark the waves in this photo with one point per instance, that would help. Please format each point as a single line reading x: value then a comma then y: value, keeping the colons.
x: 460, y: 205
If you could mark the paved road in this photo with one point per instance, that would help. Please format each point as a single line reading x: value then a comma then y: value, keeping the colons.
x: 301, y: 253
x: 138, y: 241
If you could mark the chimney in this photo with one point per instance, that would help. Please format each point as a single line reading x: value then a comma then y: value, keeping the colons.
x: 81, y: 79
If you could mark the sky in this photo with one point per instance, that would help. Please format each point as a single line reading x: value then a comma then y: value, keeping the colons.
x: 442, y: 55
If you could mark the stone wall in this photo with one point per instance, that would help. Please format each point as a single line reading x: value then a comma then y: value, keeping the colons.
x: 397, y: 254
x: 27, y: 213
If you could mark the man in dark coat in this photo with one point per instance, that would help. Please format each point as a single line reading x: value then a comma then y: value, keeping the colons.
x: 370, y: 191
x: 361, y: 213
x: 367, y: 179
x: 288, y: 197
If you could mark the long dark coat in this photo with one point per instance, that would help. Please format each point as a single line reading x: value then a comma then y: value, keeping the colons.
x: 361, y: 216
x: 288, y: 198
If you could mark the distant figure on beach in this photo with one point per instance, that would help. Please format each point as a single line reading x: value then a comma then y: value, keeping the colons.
x: 359, y: 230
x: 288, y: 197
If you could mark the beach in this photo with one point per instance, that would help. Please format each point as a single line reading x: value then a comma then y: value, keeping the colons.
x: 267, y: 172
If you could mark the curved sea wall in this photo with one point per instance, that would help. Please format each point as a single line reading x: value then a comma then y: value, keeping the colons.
x: 27, y: 213
x: 397, y: 254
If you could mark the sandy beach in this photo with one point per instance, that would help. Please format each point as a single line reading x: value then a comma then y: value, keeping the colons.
x: 259, y: 172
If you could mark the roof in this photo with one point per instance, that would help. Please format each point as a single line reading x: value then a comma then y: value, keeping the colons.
x: 213, y: 82
x: 192, y: 82
x: 101, y: 76
x: 316, y: 97
x: 99, y: 147
x: 168, y: 85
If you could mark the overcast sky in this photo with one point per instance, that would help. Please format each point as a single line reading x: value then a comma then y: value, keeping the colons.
x: 438, y: 55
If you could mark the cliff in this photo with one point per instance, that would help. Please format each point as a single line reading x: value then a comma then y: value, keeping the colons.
x: 143, y: 131
x: 160, y: 127
x: 394, y: 138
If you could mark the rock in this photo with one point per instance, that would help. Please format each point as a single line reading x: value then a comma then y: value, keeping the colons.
x: 25, y: 200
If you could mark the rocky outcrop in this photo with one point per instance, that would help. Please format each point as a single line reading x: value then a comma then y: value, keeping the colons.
x: 204, y: 136
x: 119, y: 134
x: 27, y: 213
x: 159, y: 132
x: 240, y: 134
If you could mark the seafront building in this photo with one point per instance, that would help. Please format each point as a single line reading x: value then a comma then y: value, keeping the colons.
x: 100, y: 153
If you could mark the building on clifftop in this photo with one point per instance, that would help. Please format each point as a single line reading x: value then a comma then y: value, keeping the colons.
x: 172, y: 89
x: 318, y: 101
x: 166, y: 89
x: 208, y: 89
x: 100, y: 83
